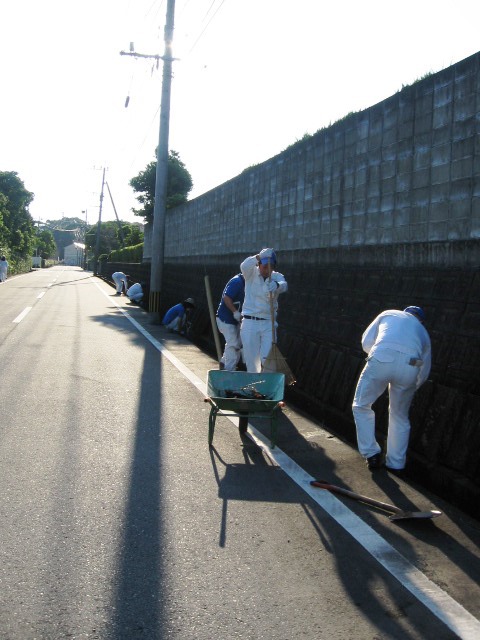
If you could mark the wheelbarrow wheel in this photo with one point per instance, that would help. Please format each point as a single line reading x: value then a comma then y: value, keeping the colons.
x: 243, y: 425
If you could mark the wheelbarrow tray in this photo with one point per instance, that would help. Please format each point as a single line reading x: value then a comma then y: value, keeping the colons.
x: 221, y: 383
x: 268, y: 384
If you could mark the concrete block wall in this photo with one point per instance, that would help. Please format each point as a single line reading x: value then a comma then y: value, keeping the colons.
x: 405, y: 170
x: 321, y: 320
x: 380, y: 210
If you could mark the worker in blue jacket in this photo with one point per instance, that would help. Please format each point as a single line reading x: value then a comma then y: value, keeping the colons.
x: 176, y: 317
x: 229, y: 318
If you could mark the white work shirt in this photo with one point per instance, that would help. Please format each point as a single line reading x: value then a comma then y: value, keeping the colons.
x: 257, y: 296
x: 135, y: 292
x: 396, y: 330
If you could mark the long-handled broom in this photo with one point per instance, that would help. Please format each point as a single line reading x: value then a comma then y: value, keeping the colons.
x: 275, y: 362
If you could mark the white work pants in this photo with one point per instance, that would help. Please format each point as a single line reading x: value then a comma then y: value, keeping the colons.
x: 401, y: 378
x: 177, y: 323
x: 233, y: 344
x: 118, y: 284
x: 256, y: 336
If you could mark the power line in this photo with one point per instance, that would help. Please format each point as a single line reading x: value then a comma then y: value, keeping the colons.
x: 207, y: 25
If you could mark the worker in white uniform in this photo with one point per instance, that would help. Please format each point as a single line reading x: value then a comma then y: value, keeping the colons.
x: 399, y: 357
x: 120, y: 279
x: 135, y: 292
x: 262, y: 283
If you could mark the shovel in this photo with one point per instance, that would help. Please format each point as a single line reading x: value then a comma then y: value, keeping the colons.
x: 395, y: 512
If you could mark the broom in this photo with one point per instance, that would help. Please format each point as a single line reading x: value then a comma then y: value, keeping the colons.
x: 275, y: 362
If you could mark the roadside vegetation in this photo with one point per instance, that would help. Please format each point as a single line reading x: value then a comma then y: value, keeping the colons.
x: 21, y: 237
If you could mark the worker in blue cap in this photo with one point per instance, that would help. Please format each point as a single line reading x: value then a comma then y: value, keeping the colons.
x: 263, y: 285
x: 399, y: 357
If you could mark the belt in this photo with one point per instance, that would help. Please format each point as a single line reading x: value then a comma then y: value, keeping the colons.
x: 253, y: 318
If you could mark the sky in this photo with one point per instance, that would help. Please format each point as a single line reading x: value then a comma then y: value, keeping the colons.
x: 251, y: 77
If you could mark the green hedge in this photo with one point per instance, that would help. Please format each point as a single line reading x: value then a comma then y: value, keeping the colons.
x: 127, y: 254
x: 18, y: 265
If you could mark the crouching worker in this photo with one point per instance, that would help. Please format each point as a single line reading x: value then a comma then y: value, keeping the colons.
x: 135, y: 292
x: 399, y: 357
x: 176, y: 318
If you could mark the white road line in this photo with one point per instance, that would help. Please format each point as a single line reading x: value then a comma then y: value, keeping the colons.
x: 40, y: 295
x: 427, y: 592
x: 22, y: 315
x: 444, y: 607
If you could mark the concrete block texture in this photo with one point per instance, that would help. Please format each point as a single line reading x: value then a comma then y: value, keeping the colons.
x: 425, y: 135
x: 379, y: 210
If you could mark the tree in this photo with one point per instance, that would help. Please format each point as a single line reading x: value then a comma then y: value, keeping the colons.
x: 110, y: 236
x: 46, y: 246
x: 179, y: 185
x: 3, y: 228
x: 133, y: 234
x: 18, y: 230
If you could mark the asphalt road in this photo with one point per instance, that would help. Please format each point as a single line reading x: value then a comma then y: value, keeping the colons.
x: 117, y: 521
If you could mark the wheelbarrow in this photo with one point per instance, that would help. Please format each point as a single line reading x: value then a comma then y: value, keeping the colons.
x: 246, y: 395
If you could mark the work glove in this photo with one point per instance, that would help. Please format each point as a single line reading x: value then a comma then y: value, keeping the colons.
x: 266, y: 253
x: 272, y: 286
x: 237, y: 316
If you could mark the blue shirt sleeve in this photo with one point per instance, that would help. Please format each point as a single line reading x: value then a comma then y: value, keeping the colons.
x: 173, y: 313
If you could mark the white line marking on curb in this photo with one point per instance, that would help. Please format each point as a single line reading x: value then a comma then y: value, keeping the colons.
x: 22, y: 315
x: 444, y: 607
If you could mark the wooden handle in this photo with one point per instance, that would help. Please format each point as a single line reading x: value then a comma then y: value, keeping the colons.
x: 216, y: 337
x: 356, y: 496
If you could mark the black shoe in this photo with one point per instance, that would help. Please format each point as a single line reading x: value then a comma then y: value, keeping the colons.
x: 374, y: 462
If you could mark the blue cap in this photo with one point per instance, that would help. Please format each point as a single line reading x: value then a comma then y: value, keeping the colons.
x: 416, y: 311
x: 271, y: 260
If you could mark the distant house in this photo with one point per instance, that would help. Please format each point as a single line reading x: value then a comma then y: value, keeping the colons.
x: 74, y: 254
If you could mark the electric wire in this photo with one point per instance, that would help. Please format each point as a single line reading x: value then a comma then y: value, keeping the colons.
x: 154, y: 10
x: 207, y: 25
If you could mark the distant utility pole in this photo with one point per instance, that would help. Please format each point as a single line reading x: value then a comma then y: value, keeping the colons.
x: 158, y: 235
x: 97, y: 240
x: 119, y: 224
x: 85, y: 263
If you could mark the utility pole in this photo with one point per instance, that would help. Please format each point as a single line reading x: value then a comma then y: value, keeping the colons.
x: 97, y: 240
x: 120, y: 230
x: 85, y: 263
x: 158, y: 234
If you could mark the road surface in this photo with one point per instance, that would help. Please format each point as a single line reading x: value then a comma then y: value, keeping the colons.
x: 118, y: 522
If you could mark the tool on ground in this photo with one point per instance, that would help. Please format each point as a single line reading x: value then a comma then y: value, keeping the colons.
x: 275, y: 362
x: 211, y: 310
x: 395, y: 512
